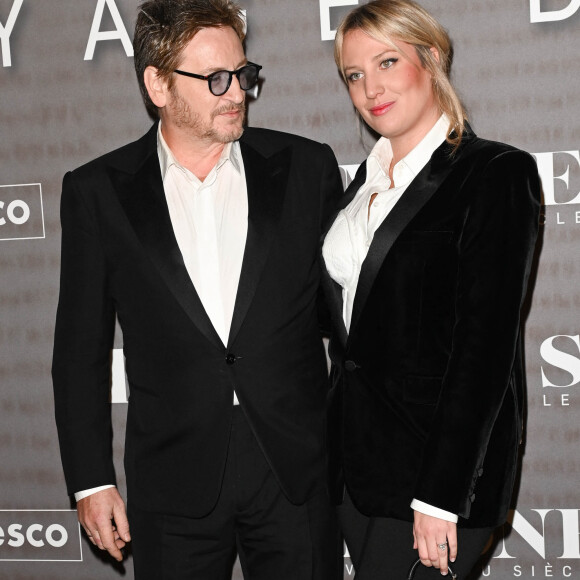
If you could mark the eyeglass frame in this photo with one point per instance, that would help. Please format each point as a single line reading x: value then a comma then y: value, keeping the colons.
x: 231, y: 74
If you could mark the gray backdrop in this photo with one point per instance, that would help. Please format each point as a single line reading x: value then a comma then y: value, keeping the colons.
x: 68, y: 94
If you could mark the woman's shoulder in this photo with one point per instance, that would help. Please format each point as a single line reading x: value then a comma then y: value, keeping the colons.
x: 485, y: 151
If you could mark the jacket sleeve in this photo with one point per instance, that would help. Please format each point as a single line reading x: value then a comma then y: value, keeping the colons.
x: 495, y: 255
x: 331, y: 191
x: 83, y: 340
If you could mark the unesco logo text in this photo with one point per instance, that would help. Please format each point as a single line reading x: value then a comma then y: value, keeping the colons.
x: 40, y: 535
x: 21, y: 212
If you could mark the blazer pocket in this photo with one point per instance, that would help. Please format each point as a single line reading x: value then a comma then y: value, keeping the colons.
x: 146, y: 413
x: 422, y: 390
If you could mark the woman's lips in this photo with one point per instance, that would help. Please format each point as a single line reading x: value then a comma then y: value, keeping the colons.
x: 381, y: 109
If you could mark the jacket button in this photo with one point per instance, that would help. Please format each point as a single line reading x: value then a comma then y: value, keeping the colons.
x: 230, y: 358
x: 472, y: 498
x: 350, y: 365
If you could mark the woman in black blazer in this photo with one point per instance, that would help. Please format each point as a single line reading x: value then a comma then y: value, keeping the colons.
x: 427, y: 264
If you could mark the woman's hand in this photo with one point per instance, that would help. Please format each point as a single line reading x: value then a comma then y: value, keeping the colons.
x: 430, y: 535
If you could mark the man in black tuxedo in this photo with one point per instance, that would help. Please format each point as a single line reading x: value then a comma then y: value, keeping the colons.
x: 202, y: 238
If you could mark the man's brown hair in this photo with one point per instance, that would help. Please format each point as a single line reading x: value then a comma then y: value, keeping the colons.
x: 165, y: 27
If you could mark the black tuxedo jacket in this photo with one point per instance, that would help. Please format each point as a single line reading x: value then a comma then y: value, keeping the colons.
x: 427, y: 392
x: 120, y: 255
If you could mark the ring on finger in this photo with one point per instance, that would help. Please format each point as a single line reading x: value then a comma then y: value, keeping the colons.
x: 442, y: 546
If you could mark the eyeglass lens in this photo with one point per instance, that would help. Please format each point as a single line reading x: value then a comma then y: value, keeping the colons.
x: 219, y: 81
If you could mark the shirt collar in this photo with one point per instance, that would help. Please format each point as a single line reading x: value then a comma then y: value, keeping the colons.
x: 382, y: 153
x: 231, y: 153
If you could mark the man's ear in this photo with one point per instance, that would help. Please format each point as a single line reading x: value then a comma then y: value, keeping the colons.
x: 435, y: 53
x: 156, y: 86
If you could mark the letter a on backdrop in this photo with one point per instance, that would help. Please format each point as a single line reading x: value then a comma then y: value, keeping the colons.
x: 120, y: 32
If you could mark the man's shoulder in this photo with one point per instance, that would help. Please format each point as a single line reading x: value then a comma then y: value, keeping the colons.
x: 268, y: 140
x: 127, y: 157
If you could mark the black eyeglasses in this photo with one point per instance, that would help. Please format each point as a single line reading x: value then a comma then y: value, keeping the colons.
x: 219, y: 82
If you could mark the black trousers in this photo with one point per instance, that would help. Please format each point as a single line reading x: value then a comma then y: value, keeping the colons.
x: 274, y: 538
x: 382, y: 548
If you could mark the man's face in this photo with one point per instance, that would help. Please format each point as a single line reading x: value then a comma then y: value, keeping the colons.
x: 191, y: 109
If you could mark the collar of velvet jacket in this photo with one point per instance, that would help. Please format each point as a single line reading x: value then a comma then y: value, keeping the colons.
x: 136, y: 178
x: 415, y: 197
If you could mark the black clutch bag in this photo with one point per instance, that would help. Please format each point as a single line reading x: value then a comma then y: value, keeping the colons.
x: 417, y: 563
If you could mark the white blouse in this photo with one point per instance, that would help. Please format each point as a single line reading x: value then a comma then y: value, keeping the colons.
x: 347, y: 243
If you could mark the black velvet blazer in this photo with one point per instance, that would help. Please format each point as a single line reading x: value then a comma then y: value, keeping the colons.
x: 428, y: 387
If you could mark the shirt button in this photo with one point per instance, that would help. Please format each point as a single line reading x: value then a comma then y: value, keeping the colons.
x: 230, y: 358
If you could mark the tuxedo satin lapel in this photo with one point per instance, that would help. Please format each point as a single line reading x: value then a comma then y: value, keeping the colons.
x: 332, y: 290
x: 415, y: 197
x: 143, y: 199
x: 267, y: 181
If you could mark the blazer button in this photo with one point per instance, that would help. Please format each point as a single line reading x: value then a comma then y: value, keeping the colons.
x: 230, y: 358
x: 350, y: 365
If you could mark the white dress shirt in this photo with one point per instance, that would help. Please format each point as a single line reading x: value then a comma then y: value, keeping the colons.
x: 210, y: 222
x: 347, y: 243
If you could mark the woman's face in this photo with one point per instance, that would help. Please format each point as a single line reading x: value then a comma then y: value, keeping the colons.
x: 392, y: 91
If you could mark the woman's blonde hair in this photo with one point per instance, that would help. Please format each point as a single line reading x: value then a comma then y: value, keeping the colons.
x: 390, y: 20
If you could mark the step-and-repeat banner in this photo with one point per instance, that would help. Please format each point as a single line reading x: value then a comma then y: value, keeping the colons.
x: 68, y: 93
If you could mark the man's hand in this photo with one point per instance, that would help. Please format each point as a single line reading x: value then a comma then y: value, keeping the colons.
x: 103, y: 517
x: 435, y: 539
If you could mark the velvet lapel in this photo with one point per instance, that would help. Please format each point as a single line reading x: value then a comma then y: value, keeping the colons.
x: 142, y: 196
x: 332, y: 290
x: 267, y: 181
x: 415, y: 197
